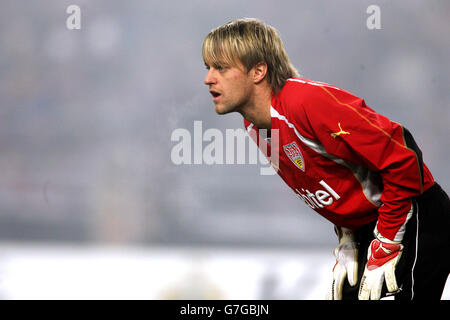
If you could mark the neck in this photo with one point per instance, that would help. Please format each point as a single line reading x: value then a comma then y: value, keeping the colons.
x: 257, y: 111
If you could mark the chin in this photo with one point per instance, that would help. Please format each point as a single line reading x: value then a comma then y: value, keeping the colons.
x: 221, y: 110
x: 224, y: 109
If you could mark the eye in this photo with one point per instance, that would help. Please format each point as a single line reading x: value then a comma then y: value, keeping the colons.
x: 220, y: 67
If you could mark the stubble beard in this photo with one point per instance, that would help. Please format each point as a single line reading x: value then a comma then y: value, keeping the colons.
x: 232, y: 106
x: 225, y: 108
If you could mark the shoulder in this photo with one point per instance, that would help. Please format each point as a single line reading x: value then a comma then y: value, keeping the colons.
x: 298, y: 94
x: 302, y: 90
x: 306, y: 93
x: 304, y: 102
x: 311, y: 87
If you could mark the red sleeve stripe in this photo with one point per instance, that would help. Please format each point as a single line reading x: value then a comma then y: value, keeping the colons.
x: 402, y: 145
x: 364, y: 118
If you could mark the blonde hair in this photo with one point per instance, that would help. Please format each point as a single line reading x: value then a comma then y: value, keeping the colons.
x: 249, y: 41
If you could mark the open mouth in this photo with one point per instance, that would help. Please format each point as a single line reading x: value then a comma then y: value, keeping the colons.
x: 215, y: 94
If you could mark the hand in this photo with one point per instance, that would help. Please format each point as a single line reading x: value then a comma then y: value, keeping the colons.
x: 382, y: 259
x: 346, y: 263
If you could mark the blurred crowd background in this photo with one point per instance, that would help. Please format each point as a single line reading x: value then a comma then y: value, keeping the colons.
x: 86, y: 116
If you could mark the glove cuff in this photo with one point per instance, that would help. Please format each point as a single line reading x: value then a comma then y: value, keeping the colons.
x: 344, y: 234
x: 381, y: 238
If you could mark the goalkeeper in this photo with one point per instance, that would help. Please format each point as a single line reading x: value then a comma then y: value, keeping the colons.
x: 355, y: 167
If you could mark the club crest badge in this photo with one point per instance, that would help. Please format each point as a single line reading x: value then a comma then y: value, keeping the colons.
x: 293, y: 152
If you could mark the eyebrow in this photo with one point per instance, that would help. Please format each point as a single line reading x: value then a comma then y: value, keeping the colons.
x: 221, y: 63
x: 218, y: 64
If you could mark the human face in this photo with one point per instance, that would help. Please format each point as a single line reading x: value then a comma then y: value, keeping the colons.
x: 230, y: 87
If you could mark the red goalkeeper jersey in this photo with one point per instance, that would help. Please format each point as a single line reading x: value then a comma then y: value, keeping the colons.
x: 345, y: 161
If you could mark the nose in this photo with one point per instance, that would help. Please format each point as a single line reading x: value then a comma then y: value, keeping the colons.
x: 210, y: 78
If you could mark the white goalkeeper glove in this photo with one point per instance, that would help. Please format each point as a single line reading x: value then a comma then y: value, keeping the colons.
x: 346, y: 263
x: 382, y: 258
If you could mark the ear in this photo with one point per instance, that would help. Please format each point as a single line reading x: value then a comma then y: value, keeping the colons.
x: 259, y: 72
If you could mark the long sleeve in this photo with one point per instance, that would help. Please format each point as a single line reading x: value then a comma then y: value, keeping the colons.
x: 350, y: 130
